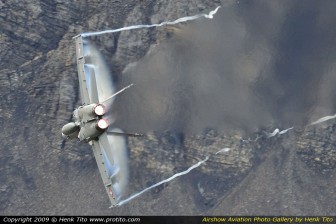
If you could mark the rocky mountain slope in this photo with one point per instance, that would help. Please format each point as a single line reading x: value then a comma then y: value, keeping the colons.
x: 276, y: 52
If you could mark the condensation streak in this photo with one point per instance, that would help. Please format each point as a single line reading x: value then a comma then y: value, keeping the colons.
x: 180, y: 20
x: 269, y: 135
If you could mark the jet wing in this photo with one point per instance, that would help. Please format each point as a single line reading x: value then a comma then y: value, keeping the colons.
x: 81, y: 51
x: 110, y: 152
x: 95, y: 80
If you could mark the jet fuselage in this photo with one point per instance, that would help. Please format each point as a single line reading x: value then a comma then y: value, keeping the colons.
x: 88, y: 123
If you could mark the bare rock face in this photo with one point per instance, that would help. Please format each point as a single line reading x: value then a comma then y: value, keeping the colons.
x: 41, y: 174
x: 316, y: 148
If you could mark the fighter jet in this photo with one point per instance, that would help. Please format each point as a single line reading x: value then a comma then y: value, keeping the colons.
x: 91, y: 121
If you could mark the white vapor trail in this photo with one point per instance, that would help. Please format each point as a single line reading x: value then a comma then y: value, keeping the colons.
x: 223, y: 150
x: 180, y: 20
x: 270, y: 135
x: 164, y: 181
x: 323, y: 119
x: 284, y: 131
x: 170, y: 178
x: 276, y: 131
